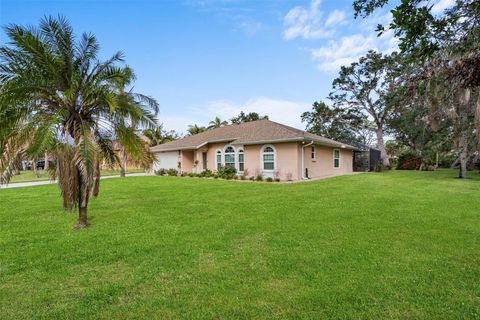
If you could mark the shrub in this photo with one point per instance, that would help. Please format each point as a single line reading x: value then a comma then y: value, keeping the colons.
x: 207, y: 173
x: 215, y: 176
x: 379, y: 167
x: 235, y: 177
x: 226, y: 172
x: 161, y: 172
x: 259, y: 177
x: 183, y: 174
x: 269, y: 179
x: 243, y: 178
x: 277, y: 179
x: 252, y: 178
x: 172, y: 172
x: 409, y: 160
x: 191, y: 174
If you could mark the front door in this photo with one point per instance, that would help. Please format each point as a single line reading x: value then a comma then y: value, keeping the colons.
x: 204, y: 160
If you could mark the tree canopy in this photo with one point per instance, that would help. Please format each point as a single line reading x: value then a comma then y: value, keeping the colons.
x: 443, y: 48
x: 247, y: 117
x: 341, y: 124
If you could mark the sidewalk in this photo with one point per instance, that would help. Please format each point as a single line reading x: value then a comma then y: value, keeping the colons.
x: 39, y: 183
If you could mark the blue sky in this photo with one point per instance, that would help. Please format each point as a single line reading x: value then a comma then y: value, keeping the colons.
x: 202, y: 59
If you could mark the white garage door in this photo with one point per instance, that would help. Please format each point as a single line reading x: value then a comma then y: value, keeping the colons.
x: 166, y: 160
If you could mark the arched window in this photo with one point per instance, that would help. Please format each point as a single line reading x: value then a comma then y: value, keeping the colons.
x: 241, y: 161
x: 268, y: 158
x: 218, y: 159
x: 229, y: 157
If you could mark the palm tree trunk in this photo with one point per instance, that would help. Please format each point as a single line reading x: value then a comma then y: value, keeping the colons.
x: 46, y: 161
x: 34, y: 167
x: 82, y: 203
x: 96, y: 187
x: 123, y: 162
x: 82, y: 217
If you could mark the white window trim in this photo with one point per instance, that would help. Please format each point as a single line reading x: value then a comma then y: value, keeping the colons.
x: 216, y: 160
x: 274, y: 158
x: 339, y: 157
x: 237, y: 159
x: 314, y: 152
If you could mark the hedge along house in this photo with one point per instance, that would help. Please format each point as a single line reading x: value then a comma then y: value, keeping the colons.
x: 255, y: 148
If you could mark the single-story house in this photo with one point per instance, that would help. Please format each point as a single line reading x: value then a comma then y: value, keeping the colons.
x: 256, y: 148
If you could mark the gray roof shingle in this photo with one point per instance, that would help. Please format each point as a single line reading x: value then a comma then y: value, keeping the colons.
x: 254, y: 132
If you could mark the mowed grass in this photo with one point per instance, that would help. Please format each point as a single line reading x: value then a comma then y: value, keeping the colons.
x: 28, y: 176
x: 370, y: 246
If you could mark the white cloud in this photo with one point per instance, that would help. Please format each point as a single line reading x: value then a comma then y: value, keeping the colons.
x: 305, y: 23
x: 335, y: 17
x: 441, y: 5
x: 283, y: 111
x: 342, y: 52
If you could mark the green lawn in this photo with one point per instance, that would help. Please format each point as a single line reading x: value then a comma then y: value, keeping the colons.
x: 27, y: 176
x: 370, y: 246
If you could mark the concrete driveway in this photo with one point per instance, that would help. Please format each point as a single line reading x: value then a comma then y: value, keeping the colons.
x: 39, y: 183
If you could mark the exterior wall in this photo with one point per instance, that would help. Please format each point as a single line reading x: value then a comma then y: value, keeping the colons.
x: 186, y: 158
x: 212, y: 152
x: 323, y: 164
x: 286, y: 160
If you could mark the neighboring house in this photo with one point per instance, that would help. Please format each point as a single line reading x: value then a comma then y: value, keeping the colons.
x: 255, y: 148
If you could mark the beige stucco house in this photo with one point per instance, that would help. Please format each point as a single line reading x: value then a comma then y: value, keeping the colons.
x: 260, y: 147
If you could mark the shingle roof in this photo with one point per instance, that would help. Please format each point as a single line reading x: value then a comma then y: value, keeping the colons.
x: 254, y: 132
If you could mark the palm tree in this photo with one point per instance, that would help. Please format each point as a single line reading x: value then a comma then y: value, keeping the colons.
x: 158, y: 136
x: 56, y: 97
x: 217, y: 123
x: 130, y: 100
x: 154, y: 136
x: 195, y: 129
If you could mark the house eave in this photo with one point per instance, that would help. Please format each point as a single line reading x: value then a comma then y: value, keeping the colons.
x: 331, y: 144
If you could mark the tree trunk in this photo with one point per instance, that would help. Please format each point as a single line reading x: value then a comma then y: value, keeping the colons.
x: 34, y: 167
x: 82, y: 217
x: 123, y: 162
x: 462, y: 144
x: 82, y: 203
x: 381, y: 147
x: 96, y: 187
x: 46, y: 161
x: 462, y: 111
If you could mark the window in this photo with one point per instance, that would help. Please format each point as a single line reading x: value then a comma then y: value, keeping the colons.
x: 268, y: 158
x: 336, y: 158
x: 230, y: 157
x: 314, y: 154
x: 241, y: 161
x: 219, y: 159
